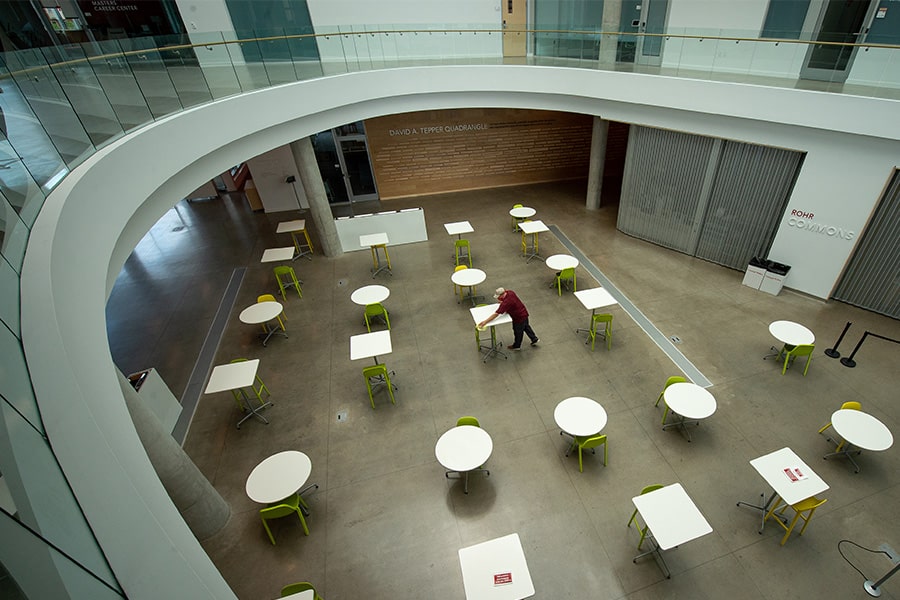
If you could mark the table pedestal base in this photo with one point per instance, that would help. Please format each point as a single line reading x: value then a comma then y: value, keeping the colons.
x: 270, y: 331
x: 465, y: 476
x: 312, y: 486
x: 682, y: 423
x: 494, y: 348
x: 846, y: 452
x: 763, y: 508
x: 253, y: 411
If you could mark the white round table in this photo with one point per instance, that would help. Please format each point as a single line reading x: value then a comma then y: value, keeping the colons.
x: 462, y: 449
x: 278, y: 476
x: 370, y: 294
x: 468, y: 277
x: 861, y: 430
x: 790, y: 333
x: 580, y: 416
x: 260, y: 314
x: 558, y: 262
x: 688, y: 401
x: 522, y: 212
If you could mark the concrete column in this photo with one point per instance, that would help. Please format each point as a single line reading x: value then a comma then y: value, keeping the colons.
x: 599, y: 136
x: 305, y: 157
x: 612, y: 14
x: 201, y: 506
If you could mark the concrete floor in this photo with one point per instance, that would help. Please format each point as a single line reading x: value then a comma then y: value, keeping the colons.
x: 386, y: 523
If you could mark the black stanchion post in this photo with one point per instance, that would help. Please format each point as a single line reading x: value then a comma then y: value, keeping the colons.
x: 848, y: 361
x: 833, y: 352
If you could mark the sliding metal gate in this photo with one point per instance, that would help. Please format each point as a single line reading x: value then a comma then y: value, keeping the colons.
x: 716, y: 199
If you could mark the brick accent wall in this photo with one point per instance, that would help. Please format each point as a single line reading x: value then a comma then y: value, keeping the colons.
x: 437, y: 151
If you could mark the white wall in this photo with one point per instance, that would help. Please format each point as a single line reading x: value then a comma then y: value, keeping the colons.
x: 712, y: 15
x: 433, y: 13
x: 269, y: 171
x: 65, y: 282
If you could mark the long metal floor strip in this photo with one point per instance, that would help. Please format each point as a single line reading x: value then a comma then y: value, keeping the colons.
x: 664, y: 343
x: 204, y: 364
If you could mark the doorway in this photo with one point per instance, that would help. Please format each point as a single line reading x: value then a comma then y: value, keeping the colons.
x: 342, y: 154
x: 514, y: 20
x: 645, y: 17
x: 839, y: 22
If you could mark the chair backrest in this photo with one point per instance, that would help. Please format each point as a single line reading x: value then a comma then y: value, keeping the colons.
x: 283, y: 270
x: 374, y: 370
x: 460, y: 268
x: 296, y: 588
x: 237, y: 360
x: 603, y: 318
x: 802, y: 350
x: 468, y: 421
x: 651, y: 488
x: 277, y: 511
x: 266, y: 298
x: 851, y: 406
x: 517, y: 206
x: 809, y: 504
x: 461, y: 243
x: 594, y: 441
x: 374, y: 309
x: 675, y: 379
x: 567, y: 273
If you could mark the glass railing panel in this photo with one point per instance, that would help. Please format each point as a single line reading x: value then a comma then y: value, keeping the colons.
x: 83, y: 92
x: 331, y: 50
x: 251, y: 70
x: 44, y: 130
x: 180, y: 60
x: 114, y: 76
x: 275, y: 54
x: 13, y: 235
x: 152, y: 77
x: 17, y: 185
x: 216, y: 64
x: 777, y: 59
x: 9, y: 299
x: 304, y: 53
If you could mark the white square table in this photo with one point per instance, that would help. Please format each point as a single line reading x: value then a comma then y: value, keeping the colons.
x: 237, y: 376
x: 370, y: 345
x: 277, y: 254
x: 375, y: 241
x: 458, y: 228
x: 479, y: 314
x: 294, y: 227
x: 497, y: 557
x: 672, y: 519
x: 771, y: 467
x: 593, y: 299
x: 532, y: 228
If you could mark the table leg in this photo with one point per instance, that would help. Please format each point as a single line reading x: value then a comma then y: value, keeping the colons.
x: 494, y: 348
x: 846, y: 451
x: 763, y: 507
x: 301, y: 250
x: 656, y: 550
x: 311, y: 486
x: 532, y: 252
x: 682, y: 423
x: 270, y: 331
x: 252, y: 411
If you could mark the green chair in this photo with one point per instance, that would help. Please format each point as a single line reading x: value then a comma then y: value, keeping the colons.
x: 464, y: 252
x: 285, y: 508
x: 606, y: 333
x: 286, y: 277
x: 515, y: 221
x: 791, y: 353
x: 467, y: 421
x: 589, y: 443
x: 376, y: 310
x: 669, y: 381
x: 258, y: 388
x: 380, y: 374
x: 566, y: 275
x: 633, y: 518
x: 296, y: 588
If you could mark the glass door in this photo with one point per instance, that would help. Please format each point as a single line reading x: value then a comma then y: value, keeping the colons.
x: 646, y: 16
x: 354, y: 161
x: 329, y: 162
x: 839, y: 22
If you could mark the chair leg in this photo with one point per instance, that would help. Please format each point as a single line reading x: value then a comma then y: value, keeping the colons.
x: 660, y: 398
x: 371, y: 397
x: 303, y: 521
x: 269, y: 531
x: 665, y: 414
x: 790, y: 528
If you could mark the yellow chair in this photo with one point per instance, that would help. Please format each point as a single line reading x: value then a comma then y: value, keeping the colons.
x: 844, y: 406
x: 258, y: 388
x: 515, y: 221
x: 467, y: 421
x: 285, y: 508
x: 807, y: 506
x: 669, y: 381
x: 467, y: 255
x: 633, y: 518
x: 291, y: 279
x: 607, y: 331
x: 525, y: 240
x: 458, y: 289
x: 271, y: 298
x: 376, y: 310
x: 387, y: 257
x: 589, y: 443
x: 478, y: 334
x: 296, y: 588
x: 791, y: 353
x: 566, y: 275
x: 380, y: 374
x: 301, y: 251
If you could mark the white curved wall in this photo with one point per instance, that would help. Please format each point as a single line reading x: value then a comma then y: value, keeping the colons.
x: 93, y: 220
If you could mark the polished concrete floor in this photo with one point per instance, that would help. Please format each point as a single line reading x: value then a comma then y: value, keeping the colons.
x: 386, y: 523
